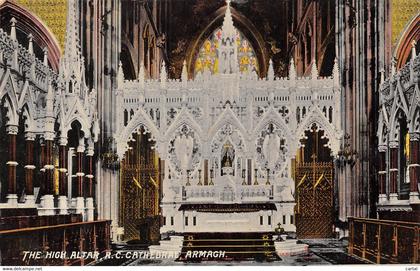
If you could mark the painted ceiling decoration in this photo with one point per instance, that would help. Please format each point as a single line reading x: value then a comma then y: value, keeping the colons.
x: 52, y: 13
x: 403, y: 11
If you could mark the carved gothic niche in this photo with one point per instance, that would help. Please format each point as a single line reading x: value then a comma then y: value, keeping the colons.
x: 228, y: 158
x: 227, y: 147
x: 316, y: 145
x: 227, y: 134
x: 184, y: 151
x: 272, y: 150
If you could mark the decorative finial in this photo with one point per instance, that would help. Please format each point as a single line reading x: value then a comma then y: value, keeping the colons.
x: 314, y: 70
x: 184, y: 75
x: 163, y: 75
x: 141, y: 75
x: 30, y: 45
x: 336, y: 73
x: 270, y: 73
x: 292, y: 70
x: 120, y: 75
x: 413, y: 49
x: 45, y: 56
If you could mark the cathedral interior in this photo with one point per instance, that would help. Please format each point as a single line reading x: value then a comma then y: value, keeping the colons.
x: 260, y: 128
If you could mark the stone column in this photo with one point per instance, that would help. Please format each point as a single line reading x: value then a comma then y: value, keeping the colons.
x: 62, y: 177
x: 29, y: 170
x: 382, y: 174
x: 393, y: 171
x: 12, y: 198
x: 47, y: 200
x: 414, y: 166
x: 89, y: 178
x: 80, y: 202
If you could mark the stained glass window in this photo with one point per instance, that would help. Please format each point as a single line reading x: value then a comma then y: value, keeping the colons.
x: 208, y: 55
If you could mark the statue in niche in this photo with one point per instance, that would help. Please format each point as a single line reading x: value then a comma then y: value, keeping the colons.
x: 271, y: 147
x: 184, y: 150
x: 228, y: 156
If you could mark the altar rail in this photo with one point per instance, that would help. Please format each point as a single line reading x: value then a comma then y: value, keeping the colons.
x: 69, y: 238
x: 384, y: 241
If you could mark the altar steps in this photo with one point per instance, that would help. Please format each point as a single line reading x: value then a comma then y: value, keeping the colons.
x: 247, y: 246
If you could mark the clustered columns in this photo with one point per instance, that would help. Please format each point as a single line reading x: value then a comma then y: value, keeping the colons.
x: 12, y: 198
x: 47, y: 200
x: 62, y: 176
x: 89, y: 179
x: 393, y: 171
x: 29, y: 169
x: 382, y: 174
x: 80, y: 157
x: 414, y: 166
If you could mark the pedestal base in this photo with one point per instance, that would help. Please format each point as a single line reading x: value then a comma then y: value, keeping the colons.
x: 393, y: 198
x: 30, y: 201
x: 80, y: 207
x: 63, y: 205
x: 382, y: 198
x: 47, y: 205
x: 414, y: 197
x: 89, y: 209
x: 12, y: 201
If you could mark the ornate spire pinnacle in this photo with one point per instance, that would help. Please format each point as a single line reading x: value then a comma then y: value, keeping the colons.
x: 336, y: 73
x: 72, y: 60
x: 228, y: 29
x: 120, y: 75
x: 413, y: 50
x: 292, y: 70
x: 314, y: 70
x: 49, y: 107
x: 45, y: 56
x: 141, y: 75
x: 228, y: 51
x: 163, y: 75
x: 270, y: 73
x: 30, y: 44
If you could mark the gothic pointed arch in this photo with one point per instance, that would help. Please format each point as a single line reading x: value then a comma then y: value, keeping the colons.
x: 414, y: 109
x: 227, y: 117
x: 75, y: 112
x: 271, y: 116
x: 404, y: 46
x: 315, y: 116
x: 184, y: 118
x: 8, y: 90
x: 140, y: 120
x: 397, y: 115
x: 28, y: 115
